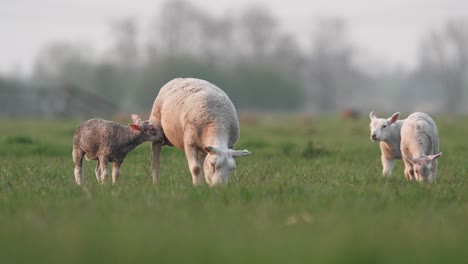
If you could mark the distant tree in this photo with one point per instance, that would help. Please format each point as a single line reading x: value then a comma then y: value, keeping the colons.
x: 258, y: 33
x: 125, y: 52
x: 288, y: 56
x: 119, y: 72
x: 332, y: 72
x: 444, y: 58
x: 63, y: 62
x: 176, y: 28
x: 265, y: 88
x: 217, y: 40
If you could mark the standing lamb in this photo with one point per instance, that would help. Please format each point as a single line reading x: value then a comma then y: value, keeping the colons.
x: 107, y: 141
x: 198, y: 118
x: 387, y: 133
x: 420, y: 147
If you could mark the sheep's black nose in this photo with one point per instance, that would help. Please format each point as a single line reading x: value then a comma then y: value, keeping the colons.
x: 373, y: 136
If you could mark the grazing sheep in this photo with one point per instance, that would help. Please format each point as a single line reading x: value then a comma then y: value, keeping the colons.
x: 387, y: 133
x: 107, y: 141
x: 420, y: 147
x: 198, y: 118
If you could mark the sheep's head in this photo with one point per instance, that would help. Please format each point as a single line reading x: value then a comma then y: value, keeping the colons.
x: 380, y: 127
x: 148, y: 131
x: 423, y: 167
x: 219, y: 163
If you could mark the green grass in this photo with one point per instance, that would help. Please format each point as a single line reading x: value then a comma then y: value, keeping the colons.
x: 309, y: 193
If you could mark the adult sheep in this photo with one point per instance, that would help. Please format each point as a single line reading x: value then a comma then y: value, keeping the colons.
x: 198, y: 118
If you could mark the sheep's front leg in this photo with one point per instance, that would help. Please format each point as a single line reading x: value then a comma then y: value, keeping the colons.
x: 156, y: 148
x: 78, y: 159
x: 195, y: 165
x: 116, y: 171
x: 409, y: 172
x: 98, y: 171
x: 387, y: 165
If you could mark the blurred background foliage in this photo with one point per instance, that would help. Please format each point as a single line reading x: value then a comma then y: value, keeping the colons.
x: 247, y: 54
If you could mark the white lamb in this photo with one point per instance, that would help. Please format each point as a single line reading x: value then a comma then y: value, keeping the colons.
x: 420, y: 147
x: 198, y: 118
x: 387, y: 133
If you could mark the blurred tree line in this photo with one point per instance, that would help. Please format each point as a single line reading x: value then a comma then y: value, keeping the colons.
x: 258, y: 65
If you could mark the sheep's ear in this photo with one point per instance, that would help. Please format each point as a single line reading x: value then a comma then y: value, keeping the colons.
x: 436, y: 156
x: 134, y: 127
x: 394, y: 117
x: 240, y: 153
x: 372, y: 115
x: 136, y: 119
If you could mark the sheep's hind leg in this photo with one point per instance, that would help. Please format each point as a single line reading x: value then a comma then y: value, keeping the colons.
x: 104, y: 172
x: 115, y: 171
x: 78, y: 159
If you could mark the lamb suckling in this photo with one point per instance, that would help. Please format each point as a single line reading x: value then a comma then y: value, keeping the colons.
x: 386, y: 131
x: 420, y: 147
x: 200, y: 119
x: 107, y: 141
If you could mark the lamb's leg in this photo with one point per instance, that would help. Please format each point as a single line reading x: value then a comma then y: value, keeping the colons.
x: 78, y: 159
x: 387, y: 165
x: 435, y: 164
x: 155, y: 160
x: 104, y: 172
x: 195, y: 165
x: 115, y: 171
x: 98, y: 171
x: 409, y: 172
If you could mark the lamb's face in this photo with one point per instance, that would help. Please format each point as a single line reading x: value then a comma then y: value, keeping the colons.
x: 218, y: 167
x: 423, y: 167
x: 150, y: 133
x: 380, y: 128
x: 423, y: 171
x: 219, y: 163
x: 147, y: 130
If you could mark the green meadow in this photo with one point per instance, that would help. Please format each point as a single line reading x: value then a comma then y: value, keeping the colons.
x: 310, y: 192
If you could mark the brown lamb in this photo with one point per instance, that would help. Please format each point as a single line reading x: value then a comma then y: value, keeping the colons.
x: 107, y: 141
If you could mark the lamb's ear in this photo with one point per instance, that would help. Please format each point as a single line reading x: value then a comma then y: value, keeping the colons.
x: 240, y: 153
x: 394, y: 117
x: 136, y: 119
x: 134, y: 127
x: 372, y: 115
x: 436, y: 156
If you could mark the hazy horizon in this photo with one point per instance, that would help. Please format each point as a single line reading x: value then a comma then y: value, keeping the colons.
x: 387, y: 30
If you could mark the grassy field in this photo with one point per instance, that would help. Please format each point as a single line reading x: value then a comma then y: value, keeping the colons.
x: 311, y: 191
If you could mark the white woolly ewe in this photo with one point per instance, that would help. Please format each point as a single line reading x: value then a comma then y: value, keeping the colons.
x: 420, y: 147
x: 198, y: 118
x: 386, y: 131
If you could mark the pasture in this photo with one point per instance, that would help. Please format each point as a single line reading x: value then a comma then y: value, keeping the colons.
x: 310, y: 192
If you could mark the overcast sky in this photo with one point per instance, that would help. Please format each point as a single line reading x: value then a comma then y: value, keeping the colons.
x: 388, y: 29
